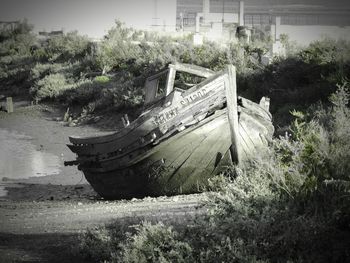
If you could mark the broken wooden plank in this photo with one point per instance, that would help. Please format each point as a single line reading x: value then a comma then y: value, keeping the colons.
x: 193, y: 69
x: 170, y: 80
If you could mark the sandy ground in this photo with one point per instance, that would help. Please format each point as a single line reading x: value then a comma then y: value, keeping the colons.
x: 42, y: 218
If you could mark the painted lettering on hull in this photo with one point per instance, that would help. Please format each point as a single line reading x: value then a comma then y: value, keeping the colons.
x: 193, y: 97
x: 166, y: 116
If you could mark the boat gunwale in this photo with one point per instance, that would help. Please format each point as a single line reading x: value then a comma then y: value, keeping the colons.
x: 123, y: 132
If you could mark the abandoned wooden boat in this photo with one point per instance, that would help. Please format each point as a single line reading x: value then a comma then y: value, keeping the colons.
x: 186, y: 134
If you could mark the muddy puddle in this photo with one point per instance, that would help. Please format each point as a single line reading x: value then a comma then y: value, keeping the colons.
x: 21, y: 159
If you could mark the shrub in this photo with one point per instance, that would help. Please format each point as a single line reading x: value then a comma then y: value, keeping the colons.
x: 326, y: 51
x: 64, y: 48
x: 41, y: 70
x: 300, y: 80
x: 16, y: 57
x: 116, y: 49
x: 155, y: 243
x: 102, y: 79
x: 50, y: 86
x: 96, y: 245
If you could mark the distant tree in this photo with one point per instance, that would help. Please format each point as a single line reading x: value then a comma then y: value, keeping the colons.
x: 67, y: 47
x: 117, y: 48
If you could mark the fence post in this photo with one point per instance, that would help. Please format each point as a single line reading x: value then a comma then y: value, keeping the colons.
x: 9, y: 104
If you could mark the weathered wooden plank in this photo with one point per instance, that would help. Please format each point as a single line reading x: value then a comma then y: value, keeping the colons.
x: 194, y: 169
x: 168, y: 148
x: 265, y: 103
x: 257, y: 124
x: 151, y: 87
x: 217, y: 143
x: 256, y: 118
x: 157, y: 75
x: 173, y: 151
x: 232, y: 111
x: 110, y: 146
x: 210, y: 82
x: 243, y: 149
x: 255, y: 108
x: 109, y: 137
x: 170, y: 80
x: 193, y: 69
x: 246, y: 142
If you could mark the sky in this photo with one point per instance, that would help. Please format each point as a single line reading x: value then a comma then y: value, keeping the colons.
x: 95, y: 17
x: 90, y: 17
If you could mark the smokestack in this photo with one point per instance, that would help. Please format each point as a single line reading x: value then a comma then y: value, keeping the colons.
x: 277, y: 28
x: 206, y: 7
x: 241, y: 13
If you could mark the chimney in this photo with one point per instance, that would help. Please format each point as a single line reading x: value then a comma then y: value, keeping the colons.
x: 241, y: 13
x: 277, y: 28
x: 206, y: 7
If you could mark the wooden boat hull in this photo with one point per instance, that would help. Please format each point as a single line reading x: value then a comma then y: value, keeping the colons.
x: 179, y: 141
x: 181, y: 164
x: 165, y: 169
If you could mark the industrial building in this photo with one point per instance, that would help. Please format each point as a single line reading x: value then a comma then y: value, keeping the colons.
x: 303, y: 21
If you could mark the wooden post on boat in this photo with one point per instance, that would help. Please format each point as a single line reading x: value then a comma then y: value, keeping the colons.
x: 170, y: 80
x: 125, y: 120
x: 232, y: 112
x: 9, y: 104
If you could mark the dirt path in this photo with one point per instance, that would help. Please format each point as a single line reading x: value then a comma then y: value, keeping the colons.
x: 75, y: 216
x: 49, y: 231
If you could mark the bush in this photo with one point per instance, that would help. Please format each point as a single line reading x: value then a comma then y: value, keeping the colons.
x: 96, y: 244
x: 16, y: 57
x: 300, y: 80
x: 116, y: 49
x: 41, y: 70
x: 155, y: 243
x: 102, y: 79
x: 65, y: 48
x: 50, y: 86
